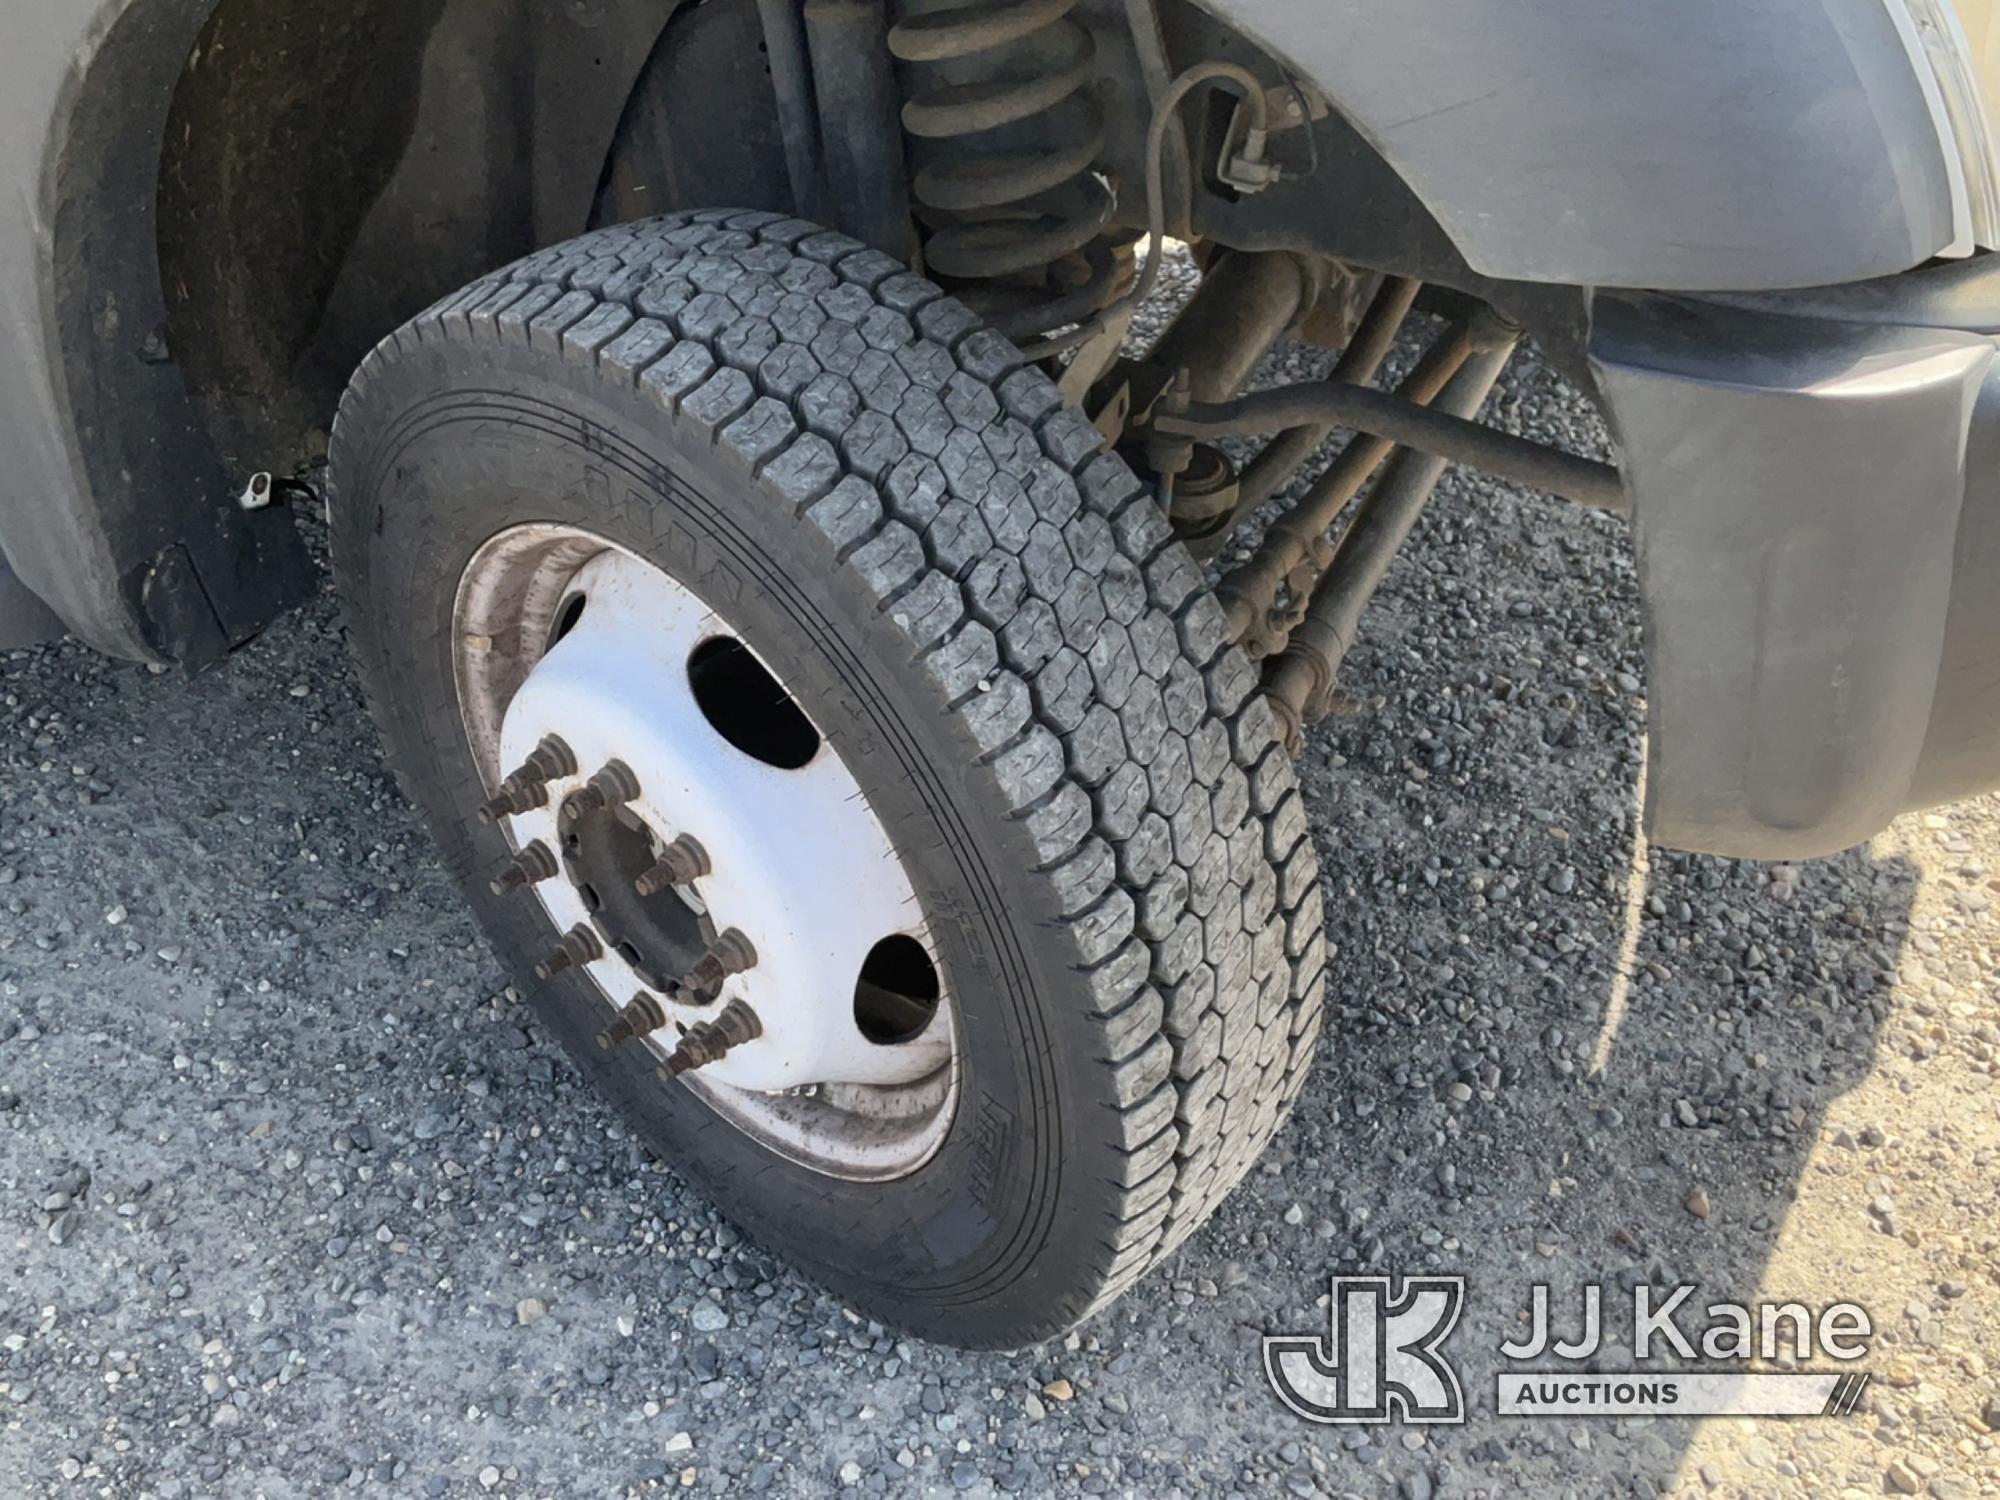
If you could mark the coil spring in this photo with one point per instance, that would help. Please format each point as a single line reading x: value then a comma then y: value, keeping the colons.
x: 1010, y: 209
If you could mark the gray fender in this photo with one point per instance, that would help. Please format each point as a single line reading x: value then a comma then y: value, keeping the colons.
x: 1815, y: 484
x: 1678, y: 144
x: 114, y: 506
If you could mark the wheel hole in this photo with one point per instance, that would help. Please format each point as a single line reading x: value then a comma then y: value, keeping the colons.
x: 748, y: 707
x: 898, y: 991
x: 591, y: 900
x: 567, y: 617
x: 631, y: 954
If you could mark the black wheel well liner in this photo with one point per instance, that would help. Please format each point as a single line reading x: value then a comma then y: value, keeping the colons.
x: 330, y: 169
x: 240, y: 196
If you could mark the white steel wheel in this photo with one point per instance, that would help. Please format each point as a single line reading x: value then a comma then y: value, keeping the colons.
x: 852, y: 1068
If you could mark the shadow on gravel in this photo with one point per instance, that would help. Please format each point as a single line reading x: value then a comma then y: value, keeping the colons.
x: 1554, y: 1055
x: 1489, y: 1111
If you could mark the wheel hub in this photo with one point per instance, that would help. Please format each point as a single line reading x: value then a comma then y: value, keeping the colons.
x: 703, y: 856
x: 661, y: 935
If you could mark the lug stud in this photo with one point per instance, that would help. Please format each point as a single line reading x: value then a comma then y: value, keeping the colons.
x: 644, y: 1016
x: 579, y: 946
x: 613, y: 786
x: 680, y: 862
x: 710, y: 1041
x: 732, y: 954
x: 526, y: 786
x: 548, y: 760
x: 531, y: 866
x: 514, y: 797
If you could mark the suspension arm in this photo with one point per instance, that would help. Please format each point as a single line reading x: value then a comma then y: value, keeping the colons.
x: 1299, y: 684
x: 1381, y: 414
x: 1280, y: 459
x: 1249, y: 590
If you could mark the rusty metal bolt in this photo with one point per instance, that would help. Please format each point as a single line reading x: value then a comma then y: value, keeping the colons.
x: 613, y: 786
x: 579, y: 946
x: 642, y: 1017
x: 531, y: 866
x: 680, y: 863
x: 549, y: 760
x: 710, y: 1041
x: 526, y: 786
x: 732, y: 954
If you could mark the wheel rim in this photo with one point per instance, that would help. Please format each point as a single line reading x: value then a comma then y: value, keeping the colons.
x: 786, y: 951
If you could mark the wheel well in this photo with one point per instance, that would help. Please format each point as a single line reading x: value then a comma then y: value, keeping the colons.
x: 330, y: 169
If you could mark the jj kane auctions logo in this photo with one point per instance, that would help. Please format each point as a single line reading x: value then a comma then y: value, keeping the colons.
x: 1382, y: 1357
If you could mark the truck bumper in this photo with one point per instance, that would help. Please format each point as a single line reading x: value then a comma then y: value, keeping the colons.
x: 1815, y: 486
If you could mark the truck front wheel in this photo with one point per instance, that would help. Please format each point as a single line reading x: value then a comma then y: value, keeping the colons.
x: 844, y: 745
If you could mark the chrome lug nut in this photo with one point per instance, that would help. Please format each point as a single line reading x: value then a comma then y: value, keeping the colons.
x: 710, y: 1041
x: 644, y: 1016
x: 680, y: 863
x: 531, y: 866
x: 579, y: 946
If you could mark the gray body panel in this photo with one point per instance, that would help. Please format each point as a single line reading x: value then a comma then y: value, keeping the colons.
x: 116, y: 501
x: 114, y: 505
x: 1697, y: 144
x: 54, y: 534
x: 1799, y: 492
x: 24, y: 619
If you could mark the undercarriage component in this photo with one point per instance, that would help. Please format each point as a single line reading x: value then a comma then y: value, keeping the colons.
x: 1285, y: 557
x: 1245, y: 303
x: 1299, y: 683
x: 1204, y: 496
x: 1003, y: 106
x: 1367, y: 347
x: 854, y: 87
x: 1457, y: 439
x: 1248, y: 123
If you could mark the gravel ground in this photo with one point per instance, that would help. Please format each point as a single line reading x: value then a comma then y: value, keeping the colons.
x: 295, y: 1199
